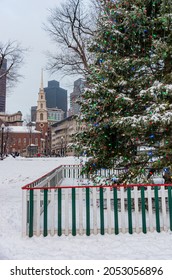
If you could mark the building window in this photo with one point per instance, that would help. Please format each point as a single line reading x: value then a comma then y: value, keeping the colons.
x: 41, y: 105
x: 19, y: 140
x: 41, y: 117
x: 36, y: 141
x: 24, y: 140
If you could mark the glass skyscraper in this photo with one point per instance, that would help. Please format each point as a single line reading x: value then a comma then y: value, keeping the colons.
x: 56, y: 97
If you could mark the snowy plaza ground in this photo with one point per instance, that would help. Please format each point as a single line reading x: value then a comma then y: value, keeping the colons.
x: 17, y: 172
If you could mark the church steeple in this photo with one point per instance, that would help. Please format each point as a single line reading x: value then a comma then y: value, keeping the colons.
x: 42, y: 84
x: 41, y: 112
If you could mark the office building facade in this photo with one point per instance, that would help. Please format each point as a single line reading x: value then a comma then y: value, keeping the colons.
x: 33, y: 113
x: 55, y: 115
x: 75, y: 95
x: 56, y: 97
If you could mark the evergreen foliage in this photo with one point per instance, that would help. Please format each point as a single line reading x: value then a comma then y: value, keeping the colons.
x: 128, y: 100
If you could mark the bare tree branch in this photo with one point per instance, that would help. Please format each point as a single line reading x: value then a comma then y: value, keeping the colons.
x: 11, y: 59
x: 70, y: 27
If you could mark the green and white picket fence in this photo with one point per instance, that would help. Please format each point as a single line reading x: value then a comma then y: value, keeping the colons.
x: 51, y: 208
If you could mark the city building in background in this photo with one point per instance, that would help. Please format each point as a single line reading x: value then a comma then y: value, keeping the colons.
x: 56, y: 102
x: 56, y: 97
x: 33, y: 113
x: 22, y: 140
x: 3, y: 79
x: 62, y: 136
x: 11, y: 119
x: 50, y: 131
x: 55, y: 115
x: 75, y: 95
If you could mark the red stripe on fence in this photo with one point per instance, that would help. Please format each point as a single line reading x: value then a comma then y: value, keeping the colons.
x: 99, y: 186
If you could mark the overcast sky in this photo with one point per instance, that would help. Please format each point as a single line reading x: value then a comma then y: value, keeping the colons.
x: 22, y: 20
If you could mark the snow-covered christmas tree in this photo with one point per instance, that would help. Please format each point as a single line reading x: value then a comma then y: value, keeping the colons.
x: 128, y: 100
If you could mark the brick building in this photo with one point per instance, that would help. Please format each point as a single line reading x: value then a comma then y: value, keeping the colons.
x: 24, y: 140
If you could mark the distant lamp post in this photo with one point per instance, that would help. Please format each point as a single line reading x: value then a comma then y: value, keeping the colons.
x: 2, y: 140
x: 62, y: 153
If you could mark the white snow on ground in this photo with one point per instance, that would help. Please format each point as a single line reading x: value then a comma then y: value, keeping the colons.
x: 17, y: 172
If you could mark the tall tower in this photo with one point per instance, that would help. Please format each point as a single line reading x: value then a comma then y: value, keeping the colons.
x: 41, y: 112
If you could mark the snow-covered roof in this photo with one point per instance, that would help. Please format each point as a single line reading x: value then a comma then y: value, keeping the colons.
x: 22, y: 129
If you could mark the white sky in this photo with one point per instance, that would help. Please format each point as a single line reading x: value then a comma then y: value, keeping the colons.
x: 22, y: 20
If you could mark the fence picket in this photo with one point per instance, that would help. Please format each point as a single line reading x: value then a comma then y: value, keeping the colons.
x: 164, y: 214
x: 73, y: 212
x: 150, y: 212
x: 157, y: 209
x: 80, y: 211
x: 31, y: 211
x: 66, y: 211
x: 122, y: 210
x: 59, y: 231
x: 95, y: 210
x: 143, y: 210
x: 87, y: 211
x: 170, y: 206
x: 130, y: 227
x: 115, y: 203
x: 101, y: 211
x: 38, y: 212
x: 24, y: 213
x: 136, y: 209
x: 52, y: 212
x: 108, y: 197
x: 45, y: 230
